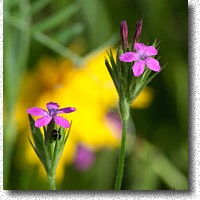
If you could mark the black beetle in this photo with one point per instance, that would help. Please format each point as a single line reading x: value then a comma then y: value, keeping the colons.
x: 56, y: 134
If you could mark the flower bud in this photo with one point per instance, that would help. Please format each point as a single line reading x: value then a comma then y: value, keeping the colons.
x: 124, y: 34
x: 137, y: 31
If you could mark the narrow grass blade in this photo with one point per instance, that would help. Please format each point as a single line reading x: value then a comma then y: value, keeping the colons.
x: 64, y: 36
x: 56, y: 19
x: 57, y: 47
x: 37, y: 6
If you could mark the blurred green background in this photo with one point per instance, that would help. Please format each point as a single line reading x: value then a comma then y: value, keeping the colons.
x: 57, y: 44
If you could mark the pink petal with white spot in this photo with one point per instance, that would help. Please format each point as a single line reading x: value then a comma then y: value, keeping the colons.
x: 153, y: 64
x: 128, y: 57
x: 61, y: 121
x: 66, y: 110
x: 51, y: 105
x: 43, y: 121
x: 140, y: 48
x: 37, y: 111
x: 138, y: 68
x: 151, y: 51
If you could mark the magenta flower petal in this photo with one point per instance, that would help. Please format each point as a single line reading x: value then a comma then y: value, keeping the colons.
x: 128, y: 57
x: 138, y: 68
x: 153, y: 64
x: 43, y: 121
x: 52, y: 112
x: 37, y: 111
x: 61, y: 121
x: 140, y: 48
x: 141, y: 57
x: 151, y: 51
x: 66, y: 110
x: 52, y: 105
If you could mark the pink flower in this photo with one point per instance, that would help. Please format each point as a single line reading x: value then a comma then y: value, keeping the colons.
x: 142, y: 57
x: 47, y: 116
x: 84, y: 158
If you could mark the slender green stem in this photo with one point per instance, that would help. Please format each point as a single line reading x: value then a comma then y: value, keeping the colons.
x: 124, y: 109
x: 50, y: 149
x: 51, y: 173
x: 51, y: 179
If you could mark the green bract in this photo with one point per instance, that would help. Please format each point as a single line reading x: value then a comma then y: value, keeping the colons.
x: 127, y: 85
x: 48, y: 150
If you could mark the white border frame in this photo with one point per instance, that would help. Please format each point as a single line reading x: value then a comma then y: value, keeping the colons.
x: 194, y: 129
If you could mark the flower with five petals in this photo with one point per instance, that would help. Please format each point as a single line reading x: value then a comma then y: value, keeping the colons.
x: 47, y: 116
x: 142, y: 57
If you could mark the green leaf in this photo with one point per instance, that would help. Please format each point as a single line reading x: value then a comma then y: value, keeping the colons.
x: 162, y: 166
x: 155, y: 74
x: 142, y: 83
x: 64, y: 36
x: 57, y: 154
x: 151, y: 78
x: 98, y: 20
x: 156, y: 43
x: 66, y: 137
x: 45, y: 132
x: 36, y: 133
x: 13, y: 2
x: 39, y: 145
x: 113, y: 63
x: 37, y: 153
x: 119, y: 52
x: 59, y: 146
x: 37, y: 6
x: 136, y: 91
x: 58, y: 18
x: 129, y: 79
x: 57, y: 47
x: 119, y: 74
x: 50, y: 144
x: 49, y: 130
x: 112, y: 74
x: 42, y: 155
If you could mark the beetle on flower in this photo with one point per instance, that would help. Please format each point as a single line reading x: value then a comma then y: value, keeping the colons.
x: 49, y: 147
x: 47, y: 116
x: 142, y: 57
